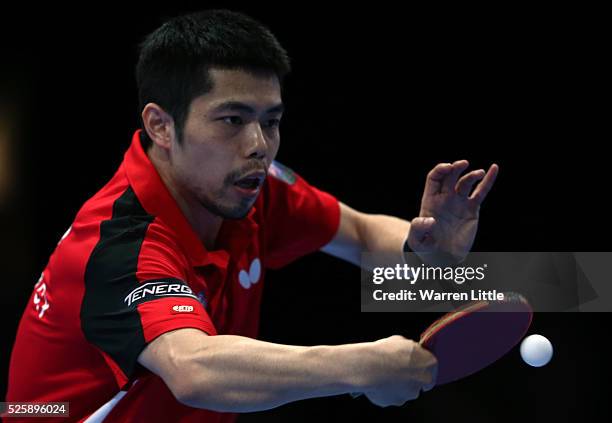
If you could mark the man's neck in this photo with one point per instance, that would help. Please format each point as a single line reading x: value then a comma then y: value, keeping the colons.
x: 205, y: 224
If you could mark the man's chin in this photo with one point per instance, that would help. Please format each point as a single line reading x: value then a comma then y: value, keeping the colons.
x: 233, y: 213
x: 237, y: 214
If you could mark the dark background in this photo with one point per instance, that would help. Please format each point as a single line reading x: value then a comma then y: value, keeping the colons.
x: 378, y: 96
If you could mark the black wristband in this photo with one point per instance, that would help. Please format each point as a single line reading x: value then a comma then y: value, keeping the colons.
x: 410, y: 257
x: 406, y: 247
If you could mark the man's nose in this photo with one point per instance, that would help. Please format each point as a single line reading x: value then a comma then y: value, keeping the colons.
x: 257, y: 145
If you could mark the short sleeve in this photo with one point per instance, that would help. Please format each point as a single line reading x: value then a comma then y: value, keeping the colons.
x: 299, y: 218
x: 136, y: 288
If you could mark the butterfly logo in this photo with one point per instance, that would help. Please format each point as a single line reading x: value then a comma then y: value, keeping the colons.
x: 250, y: 277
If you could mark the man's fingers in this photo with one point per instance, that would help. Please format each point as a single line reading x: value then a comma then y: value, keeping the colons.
x: 444, y: 178
x: 429, y: 386
x: 448, y: 185
x: 435, y: 177
x: 434, y: 378
x: 466, y: 183
x: 483, y: 188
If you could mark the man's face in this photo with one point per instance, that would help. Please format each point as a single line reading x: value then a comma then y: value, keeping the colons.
x: 230, y: 137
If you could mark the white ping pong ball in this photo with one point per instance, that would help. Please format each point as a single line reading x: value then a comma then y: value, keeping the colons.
x: 536, y: 350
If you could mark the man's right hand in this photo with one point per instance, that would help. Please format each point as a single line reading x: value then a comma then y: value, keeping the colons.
x: 401, y: 368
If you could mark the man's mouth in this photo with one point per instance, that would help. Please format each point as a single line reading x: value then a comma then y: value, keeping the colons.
x: 252, y: 182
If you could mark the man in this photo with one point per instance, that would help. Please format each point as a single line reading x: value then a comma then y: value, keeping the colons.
x: 148, y: 309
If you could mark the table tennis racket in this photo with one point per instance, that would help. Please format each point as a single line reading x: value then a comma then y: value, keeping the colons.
x: 476, y: 335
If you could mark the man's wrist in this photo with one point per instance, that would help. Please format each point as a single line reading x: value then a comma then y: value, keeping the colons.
x: 405, y: 246
x: 409, y: 257
x: 357, y: 365
x: 434, y: 258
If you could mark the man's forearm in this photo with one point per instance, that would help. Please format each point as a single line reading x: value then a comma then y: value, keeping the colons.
x: 361, y: 232
x: 233, y: 373
x: 384, y: 236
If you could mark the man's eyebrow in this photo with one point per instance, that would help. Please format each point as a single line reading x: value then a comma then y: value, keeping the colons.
x: 280, y: 108
x: 236, y: 106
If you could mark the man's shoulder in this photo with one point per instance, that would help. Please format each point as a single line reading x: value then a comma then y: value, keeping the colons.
x: 101, y: 205
x: 280, y: 172
x: 116, y: 218
x: 280, y: 181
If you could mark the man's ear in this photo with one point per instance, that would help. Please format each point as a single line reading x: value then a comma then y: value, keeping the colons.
x: 159, y: 125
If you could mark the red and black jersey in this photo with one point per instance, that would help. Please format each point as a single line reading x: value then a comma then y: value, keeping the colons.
x: 131, y: 268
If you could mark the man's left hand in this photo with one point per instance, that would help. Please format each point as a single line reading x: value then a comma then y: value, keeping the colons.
x: 448, y: 220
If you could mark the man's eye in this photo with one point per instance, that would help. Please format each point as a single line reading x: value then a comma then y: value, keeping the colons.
x: 272, y: 123
x: 233, y: 120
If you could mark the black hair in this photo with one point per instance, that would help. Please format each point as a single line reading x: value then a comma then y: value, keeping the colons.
x: 174, y: 59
